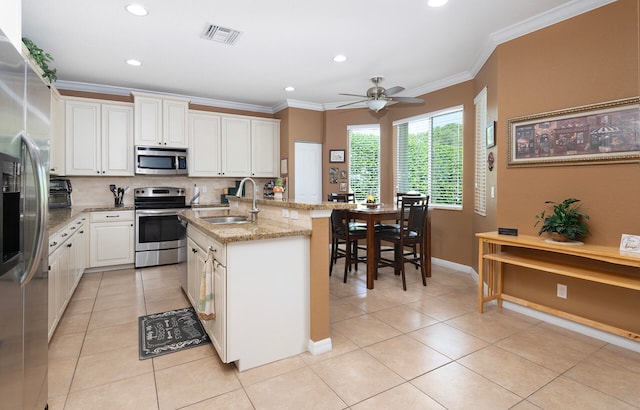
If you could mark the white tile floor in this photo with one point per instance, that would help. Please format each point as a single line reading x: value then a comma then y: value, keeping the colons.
x: 425, y: 348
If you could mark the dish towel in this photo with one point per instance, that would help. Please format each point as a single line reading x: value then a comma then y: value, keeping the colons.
x: 206, y: 310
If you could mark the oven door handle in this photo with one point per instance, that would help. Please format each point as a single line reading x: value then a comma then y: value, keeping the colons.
x: 157, y: 212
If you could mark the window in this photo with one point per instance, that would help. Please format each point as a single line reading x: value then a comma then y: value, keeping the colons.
x: 429, y: 157
x: 480, y: 196
x: 364, y: 161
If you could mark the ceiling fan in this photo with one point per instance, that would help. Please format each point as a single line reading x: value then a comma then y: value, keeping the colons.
x: 378, y: 97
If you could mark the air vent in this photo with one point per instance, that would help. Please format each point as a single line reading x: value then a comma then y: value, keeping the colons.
x: 220, y: 34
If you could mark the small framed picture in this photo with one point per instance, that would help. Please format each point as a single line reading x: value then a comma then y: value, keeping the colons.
x: 336, y: 155
x: 343, y: 174
x: 630, y: 243
x: 343, y: 187
x: 491, y: 135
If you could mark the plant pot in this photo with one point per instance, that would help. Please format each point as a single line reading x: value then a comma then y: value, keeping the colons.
x: 558, y: 237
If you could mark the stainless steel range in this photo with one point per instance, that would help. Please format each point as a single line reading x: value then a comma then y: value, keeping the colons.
x: 161, y: 237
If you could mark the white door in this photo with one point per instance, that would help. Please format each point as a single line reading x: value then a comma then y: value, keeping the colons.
x: 308, y: 172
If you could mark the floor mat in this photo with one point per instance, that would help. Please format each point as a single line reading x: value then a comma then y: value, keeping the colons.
x: 168, y: 332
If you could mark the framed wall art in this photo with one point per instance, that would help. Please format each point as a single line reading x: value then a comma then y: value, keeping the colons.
x: 593, y: 134
x: 336, y: 155
x: 491, y: 135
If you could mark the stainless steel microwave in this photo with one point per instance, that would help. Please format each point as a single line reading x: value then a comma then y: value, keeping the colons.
x: 161, y: 161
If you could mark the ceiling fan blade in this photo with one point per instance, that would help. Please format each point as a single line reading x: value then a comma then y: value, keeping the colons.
x: 355, y: 95
x: 406, y: 99
x: 393, y: 90
x: 352, y: 103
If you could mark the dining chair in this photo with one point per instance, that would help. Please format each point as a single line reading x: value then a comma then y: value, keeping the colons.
x: 411, y: 232
x: 343, y: 232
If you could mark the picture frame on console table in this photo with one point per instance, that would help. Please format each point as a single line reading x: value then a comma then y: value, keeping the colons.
x: 592, y: 134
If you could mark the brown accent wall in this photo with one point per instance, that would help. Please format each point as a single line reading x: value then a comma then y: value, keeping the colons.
x: 588, y: 59
x: 298, y: 125
x: 488, y: 77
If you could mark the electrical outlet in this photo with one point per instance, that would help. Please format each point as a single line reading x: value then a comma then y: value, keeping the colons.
x: 294, y: 214
x: 285, y: 213
x: 204, y: 188
x: 562, y: 291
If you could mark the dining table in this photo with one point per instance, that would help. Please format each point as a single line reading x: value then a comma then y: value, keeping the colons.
x: 375, y: 214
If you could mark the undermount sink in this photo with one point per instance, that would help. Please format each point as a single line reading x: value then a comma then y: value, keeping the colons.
x: 219, y: 220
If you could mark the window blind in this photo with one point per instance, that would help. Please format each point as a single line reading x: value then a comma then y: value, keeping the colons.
x: 480, y: 180
x: 364, y: 161
x: 429, y: 156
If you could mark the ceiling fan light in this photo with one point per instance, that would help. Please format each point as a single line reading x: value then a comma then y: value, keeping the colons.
x: 376, y: 105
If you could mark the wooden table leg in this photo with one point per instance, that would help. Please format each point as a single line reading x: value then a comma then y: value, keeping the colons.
x: 371, y: 252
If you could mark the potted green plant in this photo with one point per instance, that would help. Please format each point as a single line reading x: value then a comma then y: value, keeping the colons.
x: 565, y: 223
x: 42, y: 59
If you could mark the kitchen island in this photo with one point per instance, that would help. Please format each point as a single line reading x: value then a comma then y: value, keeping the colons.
x: 275, y: 274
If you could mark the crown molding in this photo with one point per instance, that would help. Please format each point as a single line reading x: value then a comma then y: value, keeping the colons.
x: 124, y: 91
x: 546, y: 19
x: 297, y: 104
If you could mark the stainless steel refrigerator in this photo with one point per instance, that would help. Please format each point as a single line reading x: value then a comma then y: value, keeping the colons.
x: 24, y: 142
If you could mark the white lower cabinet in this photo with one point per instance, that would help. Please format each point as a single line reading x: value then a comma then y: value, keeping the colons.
x: 262, y: 312
x: 198, y: 245
x: 112, y: 238
x: 67, y: 262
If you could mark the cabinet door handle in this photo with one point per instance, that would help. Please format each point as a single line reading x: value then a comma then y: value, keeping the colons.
x: 81, y: 231
x: 194, y: 250
x: 113, y: 216
x: 54, y: 243
x: 69, y: 245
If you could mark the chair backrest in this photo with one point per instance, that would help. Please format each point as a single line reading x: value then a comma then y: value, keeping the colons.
x: 400, y: 195
x: 339, y: 222
x: 344, y: 197
x: 413, y: 216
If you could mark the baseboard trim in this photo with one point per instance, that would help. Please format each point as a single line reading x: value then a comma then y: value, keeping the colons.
x: 320, y: 346
x: 546, y: 317
x: 574, y: 326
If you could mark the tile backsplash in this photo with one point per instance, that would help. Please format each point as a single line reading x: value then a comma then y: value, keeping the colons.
x: 89, y: 191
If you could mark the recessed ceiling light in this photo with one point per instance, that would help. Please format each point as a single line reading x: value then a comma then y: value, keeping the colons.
x: 137, y: 10
x: 340, y: 58
x: 289, y: 88
x: 437, y: 3
x: 133, y: 62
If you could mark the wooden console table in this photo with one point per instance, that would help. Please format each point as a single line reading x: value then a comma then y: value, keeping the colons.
x: 491, y: 258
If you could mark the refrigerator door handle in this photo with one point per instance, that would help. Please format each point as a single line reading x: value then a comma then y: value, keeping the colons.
x: 40, y: 177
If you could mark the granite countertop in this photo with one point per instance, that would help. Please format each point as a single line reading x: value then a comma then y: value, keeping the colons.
x: 209, y: 205
x: 58, y: 217
x: 297, y: 205
x: 226, y: 233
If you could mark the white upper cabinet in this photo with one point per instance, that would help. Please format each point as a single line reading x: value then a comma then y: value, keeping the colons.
x: 265, y: 148
x: 117, y: 140
x: 233, y: 146
x: 57, y: 152
x: 204, y: 145
x: 236, y: 146
x: 99, y: 138
x: 161, y: 121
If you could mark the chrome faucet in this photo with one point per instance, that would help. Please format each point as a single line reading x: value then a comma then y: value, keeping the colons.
x: 253, y: 213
